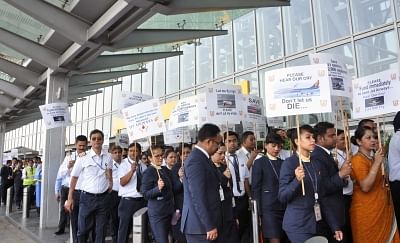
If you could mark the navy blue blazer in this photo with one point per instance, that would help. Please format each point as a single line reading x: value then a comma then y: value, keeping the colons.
x: 177, y: 185
x: 265, y: 185
x: 159, y: 203
x: 333, y: 202
x: 202, y: 210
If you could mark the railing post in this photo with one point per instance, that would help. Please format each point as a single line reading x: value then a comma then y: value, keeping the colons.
x: 25, y: 203
x: 254, y: 219
x: 9, y: 201
x: 138, y: 227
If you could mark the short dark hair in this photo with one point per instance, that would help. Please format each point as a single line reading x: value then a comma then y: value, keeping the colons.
x: 339, y: 131
x: 396, y: 122
x: 207, y: 131
x: 321, y: 128
x: 138, y: 146
x: 247, y: 134
x: 152, y: 148
x: 116, y: 147
x: 180, y: 147
x: 231, y: 133
x: 168, y: 151
x: 273, y: 138
x: 292, y: 133
x: 96, y: 131
x: 364, y: 121
x: 81, y: 138
x: 359, y: 133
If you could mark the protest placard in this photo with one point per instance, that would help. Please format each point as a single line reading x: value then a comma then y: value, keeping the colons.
x: 55, y: 115
x: 376, y: 94
x: 185, y: 113
x: 178, y: 135
x: 122, y: 140
x: 339, y: 77
x: 253, y: 110
x: 297, y: 90
x: 144, y: 119
x: 131, y: 98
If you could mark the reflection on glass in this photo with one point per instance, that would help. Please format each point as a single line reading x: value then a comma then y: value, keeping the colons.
x: 376, y: 53
x: 172, y: 82
x: 370, y: 13
x: 345, y: 52
x: 297, y: 26
x: 331, y: 20
x: 204, y: 62
x: 245, y: 41
x: 253, y: 82
x: 187, y: 66
x: 159, y: 78
x: 223, y: 53
x: 269, y: 31
x: 147, y: 79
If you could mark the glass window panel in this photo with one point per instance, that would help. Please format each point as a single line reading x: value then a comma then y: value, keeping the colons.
x: 377, y: 53
x: 92, y: 106
x: 245, y: 41
x: 116, y: 93
x: 99, y: 102
x: 253, y: 79
x: 269, y: 30
x: 107, y: 92
x: 297, y: 26
x: 107, y: 122
x: 172, y: 80
x: 137, y: 83
x: 99, y: 123
x: 147, y: 79
x: 91, y: 125
x: 72, y: 134
x: 78, y: 129
x: 85, y: 109
x: 262, y: 78
x: 126, y: 83
x: 331, y: 19
x: 298, y: 62
x: 346, y: 53
x: 187, y: 61
x: 397, y: 8
x: 173, y: 98
x: 368, y: 14
x: 73, y: 113
x: 159, y: 78
x: 79, y: 111
x: 186, y: 94
x: 204, y: 61
x: 85, y: 127
x: 67, y: 131
x: 223, y: 53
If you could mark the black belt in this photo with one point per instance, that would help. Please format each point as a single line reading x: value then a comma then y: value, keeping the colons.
x: 65, y: 187
x: 95, y: 194
x: 133, y: 198
x: 241, y: 197
x: 77, y: 190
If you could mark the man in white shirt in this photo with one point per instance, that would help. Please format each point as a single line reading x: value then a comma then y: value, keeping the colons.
x: 95, y: 170
x: 129, y: 173
x: 64, y: 178
x: 116, y: 153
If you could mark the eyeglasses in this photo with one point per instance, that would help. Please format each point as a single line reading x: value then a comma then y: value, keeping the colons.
x: 96, y: 138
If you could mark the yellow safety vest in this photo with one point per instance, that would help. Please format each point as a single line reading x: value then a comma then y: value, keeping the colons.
x: 29, y: 175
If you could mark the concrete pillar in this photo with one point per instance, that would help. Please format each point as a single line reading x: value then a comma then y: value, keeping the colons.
x: 53, y: 152
x: 2, y: 141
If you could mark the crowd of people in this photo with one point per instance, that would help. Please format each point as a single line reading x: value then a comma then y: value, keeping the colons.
x: 18, y: 174
x: 303, y: 181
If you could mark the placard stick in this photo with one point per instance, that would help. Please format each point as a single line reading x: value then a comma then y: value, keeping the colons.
x: 152, y: 156
x: 345, y: 125
x: 299, y: 148
x: 335, y: 116
x: 183, y: 145
x: 255, y: 133
x: 378, y: 128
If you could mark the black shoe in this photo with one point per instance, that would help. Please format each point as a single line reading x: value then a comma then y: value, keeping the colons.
x: 60, y: 232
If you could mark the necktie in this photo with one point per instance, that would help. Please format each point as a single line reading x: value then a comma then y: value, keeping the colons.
x: 138, y: 177
x: 237, y: 174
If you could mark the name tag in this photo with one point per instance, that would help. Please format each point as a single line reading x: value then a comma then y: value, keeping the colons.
x: 221, y: 193
x: 317, y: 212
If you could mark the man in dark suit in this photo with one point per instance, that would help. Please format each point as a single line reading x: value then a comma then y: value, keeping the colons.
x: 333, y: 179
x: 202, y: 210
x: 7, y: 180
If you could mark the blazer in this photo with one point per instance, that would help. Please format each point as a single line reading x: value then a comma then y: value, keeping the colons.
x: 265, y: 185
x: 202, y: 210
x: 177, y: 185
x: 159, y: 203
x: 332, y: 198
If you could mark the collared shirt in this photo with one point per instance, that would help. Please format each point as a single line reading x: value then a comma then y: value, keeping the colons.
x: 91, y: 168
x: 341, y: 157
x: 394, y: 157
x: 115, y: 176
x: 63, y: 172
x: 129, y: 190
x: 202, y: 150
x: 244, y: 172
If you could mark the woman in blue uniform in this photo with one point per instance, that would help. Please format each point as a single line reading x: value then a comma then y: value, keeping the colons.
x: 265, y: 187
x: 303, y: 212
x: 157, y: 190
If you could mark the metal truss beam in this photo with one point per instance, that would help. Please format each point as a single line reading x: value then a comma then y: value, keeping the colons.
x: 90, y: 87
x: 101, y: 76
x: 11, y: 89
x: 21, y: 73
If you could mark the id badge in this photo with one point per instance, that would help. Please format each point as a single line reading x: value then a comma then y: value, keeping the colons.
x: 221, y: 193
x: 233, y: 202
x: 317, y: 212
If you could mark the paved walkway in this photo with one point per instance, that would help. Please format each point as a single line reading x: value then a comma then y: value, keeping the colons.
x: 11, y: 234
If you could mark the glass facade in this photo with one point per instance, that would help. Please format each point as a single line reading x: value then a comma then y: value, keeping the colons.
x: 364, y: 32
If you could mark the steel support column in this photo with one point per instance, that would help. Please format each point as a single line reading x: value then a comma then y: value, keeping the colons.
x: 53, y: 152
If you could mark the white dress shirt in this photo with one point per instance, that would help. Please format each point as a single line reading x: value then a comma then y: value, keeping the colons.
x: 115, y: 176
x: 244, y: 172
x: 394, y: 157
x: 129, y: 190
x: 91, y: 169
x: 347, y: 190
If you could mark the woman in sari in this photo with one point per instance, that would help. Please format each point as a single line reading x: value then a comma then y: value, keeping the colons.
x: 371, y: 210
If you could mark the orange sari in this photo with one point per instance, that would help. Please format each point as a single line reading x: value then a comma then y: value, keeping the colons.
x: 371, y: 213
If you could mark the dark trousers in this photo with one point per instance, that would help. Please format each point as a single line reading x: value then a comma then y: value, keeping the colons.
x: 347, y: 233
x: 4, y: 187
x: 31, y: 196
x: 127, y: 207
x: 74, y: 216
x: 18, y: 190
x: 64, y: 216
x: 114, y: 221
x: 244, y: 216
x: 176, y: 232
x: 395, y: 191
x: 197, y: 238
x: 93, y: 210
x: 160, y: 226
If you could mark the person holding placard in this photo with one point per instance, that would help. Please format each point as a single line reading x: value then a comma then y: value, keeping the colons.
x: 170, y: 158
x: 157, y: 190
x: 116, y: 153
x: 303, y: 212
x: 203, y: 193
x: 265, y: 188
x: 371, y: 211
x: 394, y: 167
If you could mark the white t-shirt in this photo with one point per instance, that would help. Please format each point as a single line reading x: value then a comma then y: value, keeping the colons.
x: 129, y: 190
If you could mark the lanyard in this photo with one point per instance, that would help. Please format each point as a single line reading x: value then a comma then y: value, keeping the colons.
x: 99, y: 165
x: 273, y: 168
x: 314, y: 181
